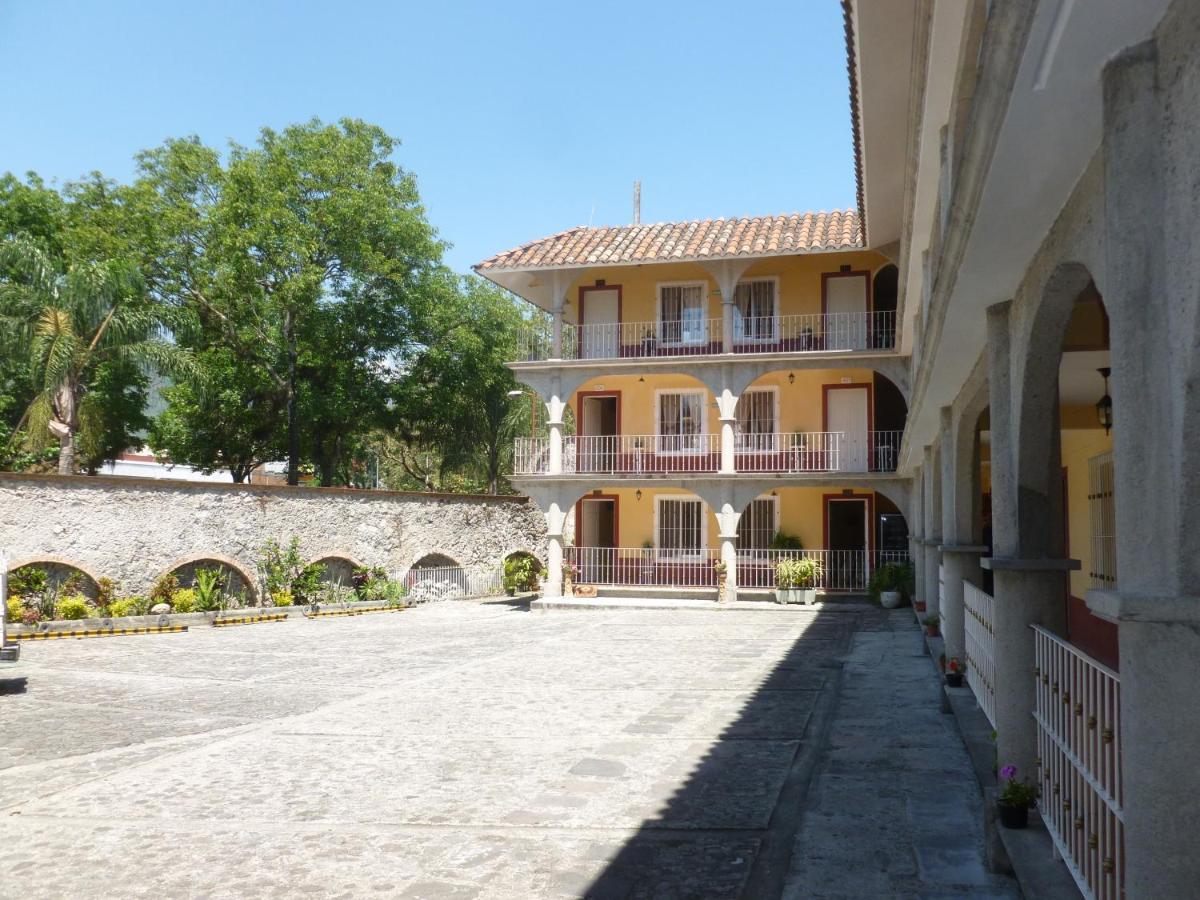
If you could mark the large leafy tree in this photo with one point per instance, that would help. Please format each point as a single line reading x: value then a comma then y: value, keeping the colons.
x: 74, y: 322
x: 307, y: 256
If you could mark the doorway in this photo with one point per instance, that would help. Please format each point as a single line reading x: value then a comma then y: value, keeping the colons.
x: 846, y: 299
x: 599, y: 431
x: 600, y: 315
x: 848, y: 539
x: 597, y: 538
x: 848, y: 412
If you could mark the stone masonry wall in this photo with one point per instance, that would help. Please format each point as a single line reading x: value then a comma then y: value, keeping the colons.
x: 134, y: 530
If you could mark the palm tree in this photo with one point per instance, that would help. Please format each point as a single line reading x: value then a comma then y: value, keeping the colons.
x: 71, y: 322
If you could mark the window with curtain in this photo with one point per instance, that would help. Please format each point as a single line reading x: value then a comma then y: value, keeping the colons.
x: 756, y: 527
x: 681, y: 307
x: 680, y: 421
x: 756, y: 420
x: 755, y: 301
x: 680, y: 531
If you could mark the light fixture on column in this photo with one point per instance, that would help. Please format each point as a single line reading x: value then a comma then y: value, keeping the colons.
x: 638, y: 493
x: 1104, y: 404
x: 791, y: 377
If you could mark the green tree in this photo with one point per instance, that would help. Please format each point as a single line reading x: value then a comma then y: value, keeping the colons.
x: 230, y: 419
x: 310, y: 254
x: 112, y: 414
x: 74, y: 322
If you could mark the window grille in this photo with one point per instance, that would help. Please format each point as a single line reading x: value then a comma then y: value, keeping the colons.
x: 680, y: 527
x: 755, y: 302
x: 682, y: 312
x: 1102, y: 509
x: 680, y: 421
x: 756, y: 528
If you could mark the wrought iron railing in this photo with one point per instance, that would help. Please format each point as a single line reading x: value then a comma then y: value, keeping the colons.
x: 980, y: 641
x: 1078, y: 714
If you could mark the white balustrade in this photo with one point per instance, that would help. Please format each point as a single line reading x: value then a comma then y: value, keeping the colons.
x: 1078, y: 715
x: 980, y: 641
x: 643, y: 566
x: 428, y: 584
x: 807, y: 451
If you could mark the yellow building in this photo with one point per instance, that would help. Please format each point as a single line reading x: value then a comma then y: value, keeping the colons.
x: 722, y: 390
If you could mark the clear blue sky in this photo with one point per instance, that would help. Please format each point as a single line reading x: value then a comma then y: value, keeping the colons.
x: 519, y: 119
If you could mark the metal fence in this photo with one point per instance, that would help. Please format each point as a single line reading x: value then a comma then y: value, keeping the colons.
x: 980, y: 648
x: 1078, y: 715
x: 429, y: 584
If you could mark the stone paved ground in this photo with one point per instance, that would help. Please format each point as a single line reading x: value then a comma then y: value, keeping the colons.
x: 465, y: 750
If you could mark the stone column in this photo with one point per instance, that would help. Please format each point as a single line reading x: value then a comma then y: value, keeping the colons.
x: 556, y: 337
x: 728, y: 516
x: 932, y: 504
x: 556, y: 518
x: 961, y: 563
x: 555, y: 407
x: 916, y: 533
x: 728, y: 314
x: 960, y: 554
x: 727, y: 412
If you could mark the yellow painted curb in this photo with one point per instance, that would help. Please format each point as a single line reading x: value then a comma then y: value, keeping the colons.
x: 99, y: 632
x: 249, y: 620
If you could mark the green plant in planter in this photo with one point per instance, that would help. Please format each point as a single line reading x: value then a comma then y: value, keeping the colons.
x: 106, y: 593
x: 1015, y: 798
x: 183, y: 601
x: 129, y: 606
x: 796, y: 580
x: 784, y: 541
x: 521, y: 573
x: 282, y: 598
x: 931, y: 623
x: 889, y: 577
x: 73, y: 606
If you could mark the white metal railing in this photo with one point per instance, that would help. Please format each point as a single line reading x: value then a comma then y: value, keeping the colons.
x: 841, y: 570
x: 531, y: 456
x: 885, y: 449
x: 692, y: 337
x: 428, y: 584
x: 1078, y: 715
x: 642, y: 453
x: 980, y: 648
x: 643, y: 566
x: 802, y: 451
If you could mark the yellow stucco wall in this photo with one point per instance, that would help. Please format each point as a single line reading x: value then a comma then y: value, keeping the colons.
x: 799, y: 282
x: 801, y: 513
x: 799, y: 404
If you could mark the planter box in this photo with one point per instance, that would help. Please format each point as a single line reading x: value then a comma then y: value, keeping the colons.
x: 801, y: 596
x: 890, y: 599
x: 1013, y: 816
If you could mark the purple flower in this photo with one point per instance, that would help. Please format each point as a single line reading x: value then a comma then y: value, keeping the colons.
x: 1009, y: 772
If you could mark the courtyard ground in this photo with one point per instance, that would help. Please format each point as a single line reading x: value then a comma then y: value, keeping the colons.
x: 478, y: 750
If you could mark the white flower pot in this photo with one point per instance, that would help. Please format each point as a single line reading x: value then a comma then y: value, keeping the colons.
x: 890, y: 599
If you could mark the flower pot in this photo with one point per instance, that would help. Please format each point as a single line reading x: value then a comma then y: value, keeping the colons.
x: 890, y: 599
x: 931, y: 630
x: 920, y: 605
x: 1013, y: 816
x: 789, y: 595
x: 954, y: 679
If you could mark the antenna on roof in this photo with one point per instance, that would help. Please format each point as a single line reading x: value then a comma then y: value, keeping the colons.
x: 637, y: 203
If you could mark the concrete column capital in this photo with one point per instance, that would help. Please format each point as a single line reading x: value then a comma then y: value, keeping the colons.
x: 1126, y: 606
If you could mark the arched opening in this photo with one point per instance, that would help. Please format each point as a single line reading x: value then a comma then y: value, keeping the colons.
x: 230, y: 584
x: 522, y: 571
x: 337, y: 570
x: 884, y: 294
x: 1066, y: 498
x: 42, y: 589
x: 436, y: 576
x: 435, y: 561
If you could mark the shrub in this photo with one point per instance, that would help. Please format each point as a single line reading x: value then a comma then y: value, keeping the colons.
x: 888, y: 577
x: 783, y: 541
x: 28, y: 580
x: 307, y: 586
x: 14, y: 609
x: 1021, y: 793
x: 797, y: 573
x: 106, y: 593
x: 128, y: 606
x: 393, y: 593
x: 282, y: 598
x: 208, y: 584
x: 30, y: 616
x: 362, y: 578
x: 164, y: 589
x: 73, y: 606
x: 183, y: 600
x: 521, y: 573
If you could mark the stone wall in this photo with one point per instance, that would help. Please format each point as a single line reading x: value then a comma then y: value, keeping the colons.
x: 134, y: 530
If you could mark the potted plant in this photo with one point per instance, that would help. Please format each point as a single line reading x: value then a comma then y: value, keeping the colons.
x: 954, y: 672
x: 931, y: 623
x: 887, y: 585
x: 721, y: 570
x: 796, y: 580
x: 1015, y: 798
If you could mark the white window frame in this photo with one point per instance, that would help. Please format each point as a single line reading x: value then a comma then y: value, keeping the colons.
x: 773, y: 389
x: 659, y: 393
x: 658, y: 292
x: 774, y: 335
x: 775, y: 519
x: 672, y: 555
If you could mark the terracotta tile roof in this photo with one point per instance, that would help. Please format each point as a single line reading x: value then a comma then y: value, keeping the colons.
x: 855, y: 122
x: 684, y: 241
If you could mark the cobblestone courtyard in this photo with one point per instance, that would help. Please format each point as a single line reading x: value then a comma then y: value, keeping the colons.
x: 478, y: 750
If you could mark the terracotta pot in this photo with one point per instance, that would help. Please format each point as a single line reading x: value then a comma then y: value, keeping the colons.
x: 931, y: 630
x: 1013, y: 816
x: 920, y: 605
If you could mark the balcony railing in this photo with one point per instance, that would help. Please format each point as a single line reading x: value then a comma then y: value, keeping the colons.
x: 841, y: 570
x: 980, y: 648
x: 807, y: 333
x: 1078, y: 715
x: 643, y: 454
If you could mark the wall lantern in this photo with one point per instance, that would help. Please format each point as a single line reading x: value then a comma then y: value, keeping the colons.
x: 1104, y: 404
x: 638, y: 494
x: 791, y: 377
